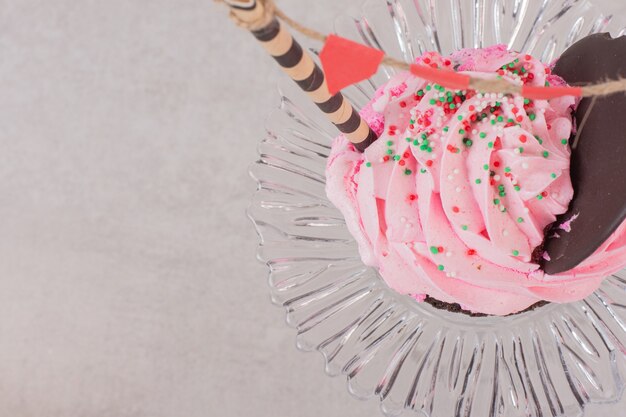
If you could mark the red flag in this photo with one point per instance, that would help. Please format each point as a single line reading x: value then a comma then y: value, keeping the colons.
x: 346, y: 62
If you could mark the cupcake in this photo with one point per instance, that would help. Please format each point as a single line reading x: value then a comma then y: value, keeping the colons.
x: 455, y: 202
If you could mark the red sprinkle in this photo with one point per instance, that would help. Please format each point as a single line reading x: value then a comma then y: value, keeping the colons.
x: 528, y: 57
x: 523, y: 138
x: 386, y: 158
x: 471, y: 252
x: 440, y: 249
x: 402, y: 104
x: 496, y: 164
x: 401, y: 162
x: 429, y: 163
x: 405, y: 155
x: 545, y: 194
x: 455, y: 209
x: 412, y: 197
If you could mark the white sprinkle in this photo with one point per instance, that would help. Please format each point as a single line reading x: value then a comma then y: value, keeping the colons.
x: 408, y: 225
x: 525, y: 165
x: 474, y: 132
x: 526, y: 210
x: 514, y: 182
x: 496, y: 177
x: 458, y: 189
x: 502, y: 208
x: 456, y: 170
x: 450, y: 177
x: 505, y: 232
x: 453, y: 274
x: 448, y: 254
x: 517, y: 151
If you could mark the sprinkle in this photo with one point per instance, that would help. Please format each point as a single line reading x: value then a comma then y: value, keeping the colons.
x: 496, y: 201
x: 486, y: 167
x: 420, y: 93
x: 478, y: 181
x: 524, y: 165
x: 532, y: 116
x: 389, y: 142
x: 564, y: 141
x: 553, y: 175
x: 515, y: 253
x: 545, y: 154
x: 539, y: 197
x: 408, y: 139
x: 432, y: 101
x: 517, y: 188
x: 464, y: 227
x: 368, y: 164
x: 440, y: 267
x: 490, y: 145
x: 396, y: 158
x: 471, y: 252
x: 523, y: 138
x: 507, y: 169
x: 520, y: 220
x: 407, y: 172
x: 412, y: 197
x: 468, y: 142
x: 446, y: 129
x: 483, y: 135
x: 434, y: 250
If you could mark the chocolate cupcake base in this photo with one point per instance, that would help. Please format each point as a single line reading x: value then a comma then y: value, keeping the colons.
x: 456, y: 308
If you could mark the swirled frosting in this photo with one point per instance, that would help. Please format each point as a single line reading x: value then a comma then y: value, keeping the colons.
x: 453, y: 198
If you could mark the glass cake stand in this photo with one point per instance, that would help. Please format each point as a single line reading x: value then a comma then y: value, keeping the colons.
x: 417, y: 360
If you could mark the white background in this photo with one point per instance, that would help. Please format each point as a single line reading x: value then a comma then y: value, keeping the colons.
x: 128, y: 280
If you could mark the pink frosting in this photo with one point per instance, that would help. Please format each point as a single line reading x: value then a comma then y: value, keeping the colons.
x: 452, y: 200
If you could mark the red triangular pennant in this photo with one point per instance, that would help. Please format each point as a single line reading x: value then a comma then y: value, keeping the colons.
x: 346, y: 62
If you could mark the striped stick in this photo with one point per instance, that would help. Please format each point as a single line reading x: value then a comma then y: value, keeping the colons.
x: 301, y: 68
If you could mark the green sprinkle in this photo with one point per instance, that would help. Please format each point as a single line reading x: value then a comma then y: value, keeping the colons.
x: 368, y: 164
x: 468, y: 142
x: 547, y: 84
x: 440, y: 267
x: 389, y: 151
x: 423, y: 171
x: 500, y: 119
x: 460, y: 117
x: 490, y: 145
x: 539, y: 197
x: 515, y: 253
x: 442, y: 99
x: 486, y: 167
x: 520, y: 220
x: 408, y: 139
x: 429, y: 149
x: 434, y: 250
x: 564, y: 141
x: 493, y: 122
x: 478, y: 181
x: 507, y: 169
x: 553, y: 175
x: 521, y: 149
x: 452, y: 106
x: 416, y: 142
x: 539, y: 140
x: 532, y: 116
x: 389, y: 143
x: 420, y: 93
x: 496, y: 201
x: 503, y: 210
x: 482, y: 135
x: 396, y: 158
x: 517, y: 188
x: 446, y: 129
x: 424, y: 136
x: 461, y: 132
x: 502, y: 194
x: 407, y: 172
x: 526, y: 101
x: 464, y: 227
x: 428, y: 87
x: 546, y: 154
x: 432, y: 101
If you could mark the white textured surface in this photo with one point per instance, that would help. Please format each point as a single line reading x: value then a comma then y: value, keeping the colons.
x: 128, y: 284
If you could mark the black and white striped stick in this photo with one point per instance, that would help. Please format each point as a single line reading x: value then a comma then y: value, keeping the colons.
x: 301, y: 68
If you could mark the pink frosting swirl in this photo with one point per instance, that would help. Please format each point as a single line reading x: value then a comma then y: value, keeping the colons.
x: 453, y: 198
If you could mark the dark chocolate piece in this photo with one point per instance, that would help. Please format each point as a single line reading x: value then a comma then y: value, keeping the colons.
x: 598, y: 166
x: 456, y: 308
